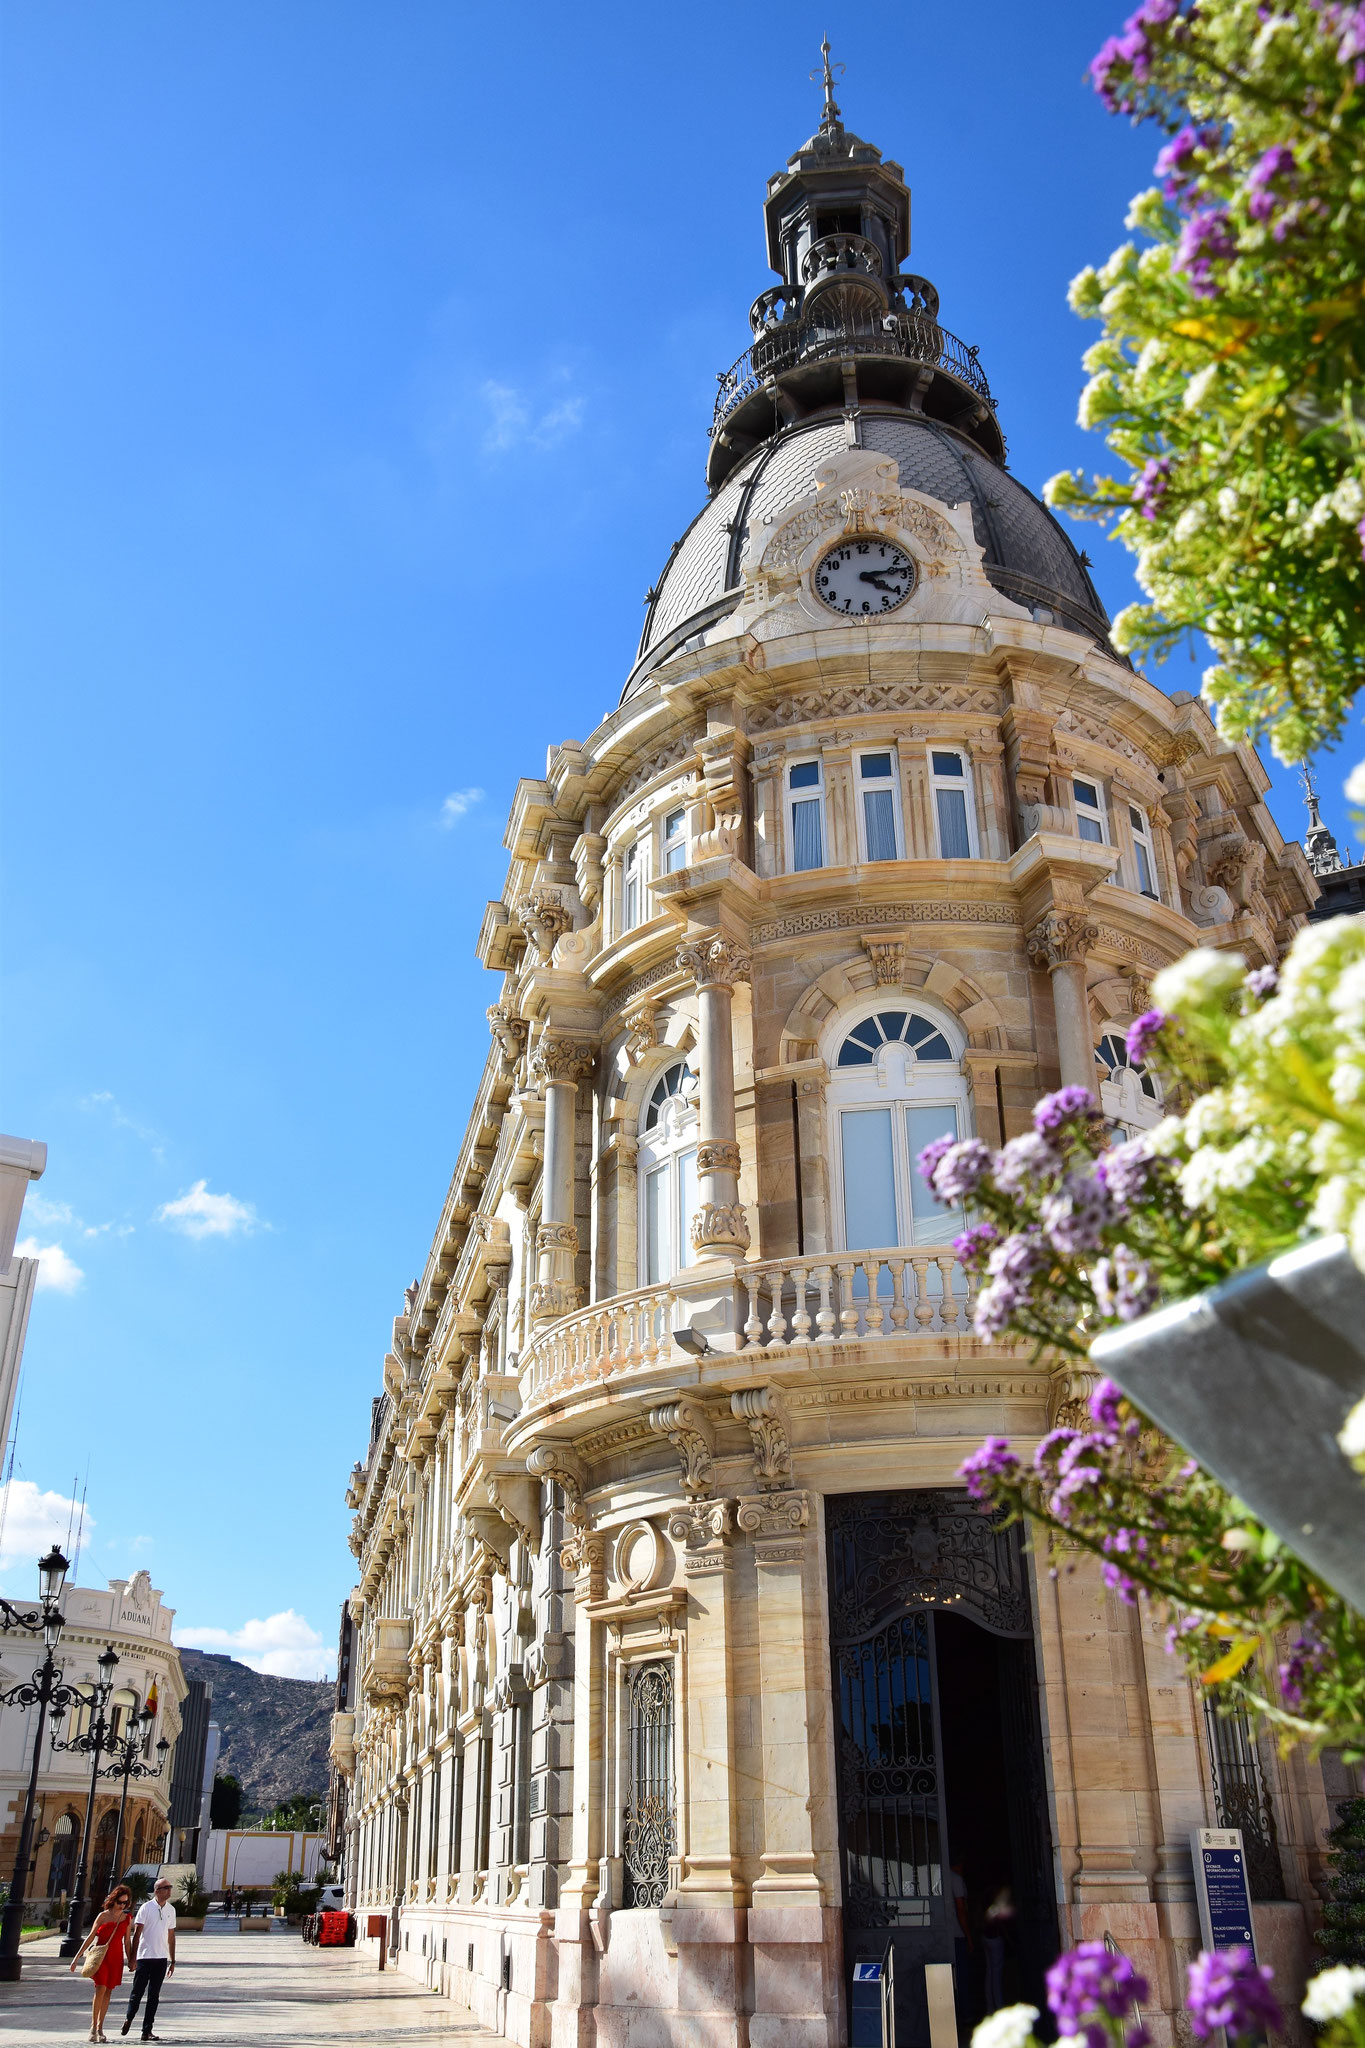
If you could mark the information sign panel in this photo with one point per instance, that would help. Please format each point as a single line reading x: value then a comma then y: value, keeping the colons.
x: 1220, y: 1876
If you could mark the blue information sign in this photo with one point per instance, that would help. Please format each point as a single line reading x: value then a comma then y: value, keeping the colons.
x: 1224, y: 1895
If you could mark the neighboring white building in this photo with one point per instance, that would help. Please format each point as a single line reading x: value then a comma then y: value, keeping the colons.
x: 238, y: 1857
x: 128, y: 1615
x: 21, y: 1160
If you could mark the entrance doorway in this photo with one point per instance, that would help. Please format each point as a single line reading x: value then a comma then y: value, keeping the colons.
x: 945, y: 1844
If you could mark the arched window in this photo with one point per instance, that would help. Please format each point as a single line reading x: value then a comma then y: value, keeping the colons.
x: 1130, y: 1094
x: 896, y: 1086
x: 650, y: 1830
x: 62, y: 1867
x: 122, y: 1708
x: 668, y: 1173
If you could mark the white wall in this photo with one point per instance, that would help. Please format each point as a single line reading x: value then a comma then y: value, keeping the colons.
x: 244, y: 1856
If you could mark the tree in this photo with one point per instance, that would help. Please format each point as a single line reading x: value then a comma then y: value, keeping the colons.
x: 225, y: 1802
x: 1228, y: 380
x: 1342, y: 1935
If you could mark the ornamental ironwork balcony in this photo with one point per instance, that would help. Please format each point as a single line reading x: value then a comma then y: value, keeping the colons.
x: 831, y: 331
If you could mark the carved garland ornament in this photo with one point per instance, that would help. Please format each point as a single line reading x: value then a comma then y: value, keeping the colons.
x: 717, y: 1155
x: 563, y: 1059
x: 1061, y: 938
x: 714, y: 962
x: 721, y: 1224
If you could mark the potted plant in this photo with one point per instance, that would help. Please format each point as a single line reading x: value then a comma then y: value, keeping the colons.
x: 192, y: 1904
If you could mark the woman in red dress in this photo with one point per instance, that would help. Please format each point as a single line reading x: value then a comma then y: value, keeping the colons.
x: 109, y: 1932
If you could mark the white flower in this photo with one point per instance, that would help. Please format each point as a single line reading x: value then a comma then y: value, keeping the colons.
x: 1332, y: 1993
x: 1227, y: 502
x: 1348, y: 500
x: 1198, y: 388
x: 1200, y: 977
x: 1098, y: 400
x: 1355, y: 784
x: 1334, y: 1204
x: 1210, y: 1116
x: 1167, y: 1137
x: 1190, y: 521
x: 1010, y: 2027
x: 1351, y: 1435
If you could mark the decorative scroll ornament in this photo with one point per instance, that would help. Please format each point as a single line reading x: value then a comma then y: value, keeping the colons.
x: 510, y: 1032
x: 551, y: 1299
x: 761, y: 1408
x: 777, y: 1523
x: 717, y: 1155
x: 562, y: 1059
x: 703, y: 1529
x: 642, y: 1032
x: 1061, y: 938
x: 544, y: 920
x: 688, y: 1429
x: 585, y: 1558
x: 555, y: 1461
x: 888, y: 960
x: 719, y: 1224
x: 557, y: 1237
x: 714, y: 962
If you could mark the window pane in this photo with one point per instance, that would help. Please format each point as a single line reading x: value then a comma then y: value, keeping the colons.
x: 1086, y: 793
x: 1144, y: 867
x: 876, y: 767
x: 869, y: 1179
x: 1089, y: 828
x: 806, y: 848
x: 1135, y: 820
x: 630, y: 914
x: 675, y: 857
x: 933, y: 1223
x: 953, y: 842
x: 881, y: 824
x: 673, y: 824
x: 804, y: 775
x: 687, y: 1203
x: 947, y: 764
x: 655, y: 1225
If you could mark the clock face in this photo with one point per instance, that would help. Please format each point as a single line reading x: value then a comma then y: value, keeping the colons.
x: 862, y: 578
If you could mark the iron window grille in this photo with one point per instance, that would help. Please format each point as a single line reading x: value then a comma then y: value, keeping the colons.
x: 650, y: 1831
x: 1241, y: 1797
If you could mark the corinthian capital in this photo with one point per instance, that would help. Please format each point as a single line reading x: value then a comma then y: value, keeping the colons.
x: 1060, y: 937
x: 714, y: 962
x: 563, y: 1059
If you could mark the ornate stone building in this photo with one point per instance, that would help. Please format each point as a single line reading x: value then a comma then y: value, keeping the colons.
x: 684, y: 1674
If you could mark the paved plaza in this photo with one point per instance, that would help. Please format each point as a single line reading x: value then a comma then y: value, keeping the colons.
x: 247, y: 1988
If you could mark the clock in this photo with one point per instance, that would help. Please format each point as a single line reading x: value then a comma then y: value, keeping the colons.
x: 863, y: 578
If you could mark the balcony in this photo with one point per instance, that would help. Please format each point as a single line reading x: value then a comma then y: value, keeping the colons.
x: 386, y: 1674
x: 776, y: 1305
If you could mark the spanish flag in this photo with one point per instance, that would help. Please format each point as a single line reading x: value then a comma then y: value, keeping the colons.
x: 151, y: 1699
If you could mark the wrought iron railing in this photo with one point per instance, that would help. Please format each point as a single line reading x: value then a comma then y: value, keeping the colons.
x: 831, y: 330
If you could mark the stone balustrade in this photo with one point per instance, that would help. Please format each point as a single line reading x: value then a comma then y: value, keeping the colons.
x: 622, y: 1334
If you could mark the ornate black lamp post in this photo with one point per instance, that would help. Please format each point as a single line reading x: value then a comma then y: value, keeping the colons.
x: 45, y: 1691
x: 96, y: 1742
x: 127, y: 1751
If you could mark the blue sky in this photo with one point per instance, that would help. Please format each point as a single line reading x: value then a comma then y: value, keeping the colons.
x: 357, y: 366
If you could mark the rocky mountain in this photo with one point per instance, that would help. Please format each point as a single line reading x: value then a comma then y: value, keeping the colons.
x: 274, y: 1729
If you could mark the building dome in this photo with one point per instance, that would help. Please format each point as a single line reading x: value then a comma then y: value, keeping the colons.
x: 1028, y: 556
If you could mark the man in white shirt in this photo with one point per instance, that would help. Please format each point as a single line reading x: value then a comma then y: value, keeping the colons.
x: 151, y: 1948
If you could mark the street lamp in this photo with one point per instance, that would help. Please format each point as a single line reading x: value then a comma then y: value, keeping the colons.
x: 127, y: 1749
x: 46, y: 1691
x: 96, y: 1741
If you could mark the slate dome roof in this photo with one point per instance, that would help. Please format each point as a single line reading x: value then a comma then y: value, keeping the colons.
x: 1028, y: 555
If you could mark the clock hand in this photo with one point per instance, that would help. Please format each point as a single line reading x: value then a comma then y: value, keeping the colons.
x: 876, y: 575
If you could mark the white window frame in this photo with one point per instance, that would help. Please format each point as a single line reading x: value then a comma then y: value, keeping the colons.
x: 962, y: 783
x: 1098, y: 811
x: 1124, y: 1098
x: 664, y: 1150
x: 808, y: 793
x: 880, y: 1087
x: 889, y: 782
x: 672, y: 843
x: 1140, y: 832
x: 632, y: 885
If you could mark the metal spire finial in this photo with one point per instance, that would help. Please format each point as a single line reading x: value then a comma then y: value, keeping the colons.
x: 826, y: 77
x: 1324, y: 856
x: 1310, y: 794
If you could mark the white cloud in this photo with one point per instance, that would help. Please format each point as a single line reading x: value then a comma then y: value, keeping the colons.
x: 58, y: 1272
x: 456, y: 804
x: 515, y: 422
x: 33, y: 1522
x: 109, y: 1106
x: 285, y: 1645
x: 200, y: 1214
x: 40, y: 1210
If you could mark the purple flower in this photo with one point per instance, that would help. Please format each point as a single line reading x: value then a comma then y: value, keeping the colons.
x: 1142, y: 1034
x: 1010, y: 1267
x: 1050, y: 1444
x: 994, y: 1460
x: 959, y: 1172
x: 1125, y: 1171
x: 1360, y: 530
x: 1152, y: 485
x: 1089, y: 1980
x: 1263, y: 981
x: 1175, y: 163
x: 1071, y: 1105
x: 1347, y: 24
x: 1130, y: 52
x: 930, y: 1156
x: 1024, y: 1160
x: 1276, y: 163
x: 1118, y: 1582
x: 1123, y: 1284
x: 974, y: 1245
x: 1104, y: 1406
x: 1205, y: 240
x: 1229, y: 1988
x: 1307, y: 1655
x: 1075, y: 1216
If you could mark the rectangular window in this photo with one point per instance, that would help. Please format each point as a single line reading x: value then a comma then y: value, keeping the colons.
x: 1144, y: 854
x: 877, y: 788
x: 1089, y: 811
x: 456, y: 1815
x: 933, y: 1224
x: 483, y: 1802
x: 630, y: 889
x: 687, y: 1204
x: 521, y: 1782
x: 869, y: 1178
x: 952, y: 806
x: 669, y: 1205
x: 656, y: 1225
x: 807, y: 825
x: 675, y: 841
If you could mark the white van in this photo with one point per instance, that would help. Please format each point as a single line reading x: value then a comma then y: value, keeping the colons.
x: 332, y: 1899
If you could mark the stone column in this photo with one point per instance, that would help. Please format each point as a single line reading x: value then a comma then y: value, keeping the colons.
x: 560, y: 1064
x: 716, y: 964
x: 1059, y: 942
x: 573, y: 2018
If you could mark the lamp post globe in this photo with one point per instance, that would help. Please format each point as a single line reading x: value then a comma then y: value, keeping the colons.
x: 52, y: 1571
x: 45, y: 1691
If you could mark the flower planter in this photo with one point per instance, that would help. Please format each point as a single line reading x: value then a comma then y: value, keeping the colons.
x: 1255, y: 1377
x: 185, y: 1925
x: 254, y: 1924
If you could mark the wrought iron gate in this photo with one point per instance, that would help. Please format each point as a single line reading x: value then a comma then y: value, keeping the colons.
x: 650, y: 1830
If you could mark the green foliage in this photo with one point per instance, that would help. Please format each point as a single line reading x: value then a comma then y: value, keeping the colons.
x: 225, y: 1802
x: 301, y: 1812
x: 292, y: 1894
x: 1229, y: 379
x: 194, y: 1900
x: 139, y: 1885
x: 1342, y: 1934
